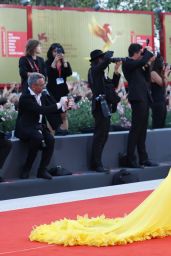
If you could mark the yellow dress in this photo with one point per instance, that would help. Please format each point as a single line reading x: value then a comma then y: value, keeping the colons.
x: 152, y: 218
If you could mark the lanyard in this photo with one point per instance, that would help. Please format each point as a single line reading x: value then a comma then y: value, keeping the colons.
x: 59, y: 70
x: 34, y: 67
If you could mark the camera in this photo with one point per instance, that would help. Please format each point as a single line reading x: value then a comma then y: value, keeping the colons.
x: 100, y: 97
x: 75, y: 99
x: 59, y: 50
x: 109, y: 54
x: 166, y: 64
x: 104, y: 106
x: 114, y: 60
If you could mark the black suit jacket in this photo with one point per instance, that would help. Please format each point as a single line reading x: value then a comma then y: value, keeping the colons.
x: 29, y: 112
x: 137, y: 76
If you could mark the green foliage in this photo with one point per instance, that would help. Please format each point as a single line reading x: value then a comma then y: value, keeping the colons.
x: 81, y: 118
x: 146, y: 5
x: 143, y: 5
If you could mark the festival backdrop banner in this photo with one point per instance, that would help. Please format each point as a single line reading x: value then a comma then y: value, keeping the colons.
x: 13, y: 37
x: 78, y: 31
x: 81, y: 32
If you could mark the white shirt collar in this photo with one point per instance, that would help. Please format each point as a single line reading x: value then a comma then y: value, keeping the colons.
x: 37, y: 96
x: 38, y: 99
x: 33, y: 93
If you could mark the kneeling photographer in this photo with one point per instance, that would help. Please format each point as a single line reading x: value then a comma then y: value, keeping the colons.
x: 104, y: 102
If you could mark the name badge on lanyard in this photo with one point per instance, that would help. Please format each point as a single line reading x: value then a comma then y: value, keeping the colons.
x: 59, y: 81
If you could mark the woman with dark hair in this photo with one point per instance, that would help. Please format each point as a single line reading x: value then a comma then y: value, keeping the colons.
x: 31, y: 62
x: 58, y: 69
x: 159, y: 81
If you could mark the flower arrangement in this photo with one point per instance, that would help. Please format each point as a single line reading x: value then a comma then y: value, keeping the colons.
x: 7, y: 118
x: 81, y: 117
x: 124, y: 112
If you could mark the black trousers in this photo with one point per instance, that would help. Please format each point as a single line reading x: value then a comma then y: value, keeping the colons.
x: 5, y: 147
x: 159, y: 112
x: 138, y: 131
x: 35, y: 140
x: 102, y: 125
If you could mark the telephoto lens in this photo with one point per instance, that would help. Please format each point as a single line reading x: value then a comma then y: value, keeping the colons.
x: 114, y: 60
x: 59, y: 50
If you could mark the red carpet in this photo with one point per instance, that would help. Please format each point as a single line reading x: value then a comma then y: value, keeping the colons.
x: 15, y: 227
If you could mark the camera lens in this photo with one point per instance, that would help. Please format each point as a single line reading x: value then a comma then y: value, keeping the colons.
x: 59, y: 50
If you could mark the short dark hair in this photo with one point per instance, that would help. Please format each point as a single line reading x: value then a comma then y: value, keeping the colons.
x: 134, y: 48
x: 33, y: 78
x: 158, y: 65
x: 31, y: 46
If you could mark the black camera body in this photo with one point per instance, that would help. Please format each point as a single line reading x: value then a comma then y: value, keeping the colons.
x: 59, y: 50
x: 100, y: 97
x: 109, y: 54
x: 114, y: 60
x: 166, y: 64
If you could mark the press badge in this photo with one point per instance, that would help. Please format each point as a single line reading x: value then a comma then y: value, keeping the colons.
x: 59, y: 80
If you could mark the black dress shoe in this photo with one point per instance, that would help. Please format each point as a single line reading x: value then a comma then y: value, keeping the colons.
x: 44, y: 175
x: 132, y: 164
x: 148, y: 164
x: 101, y: 169
x: 59, y: 171
x: 24, y: 175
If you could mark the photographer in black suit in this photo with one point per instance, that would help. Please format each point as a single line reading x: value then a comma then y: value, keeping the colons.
x: 31, y: 125
x: 101, y: 104
x: 136, y: 72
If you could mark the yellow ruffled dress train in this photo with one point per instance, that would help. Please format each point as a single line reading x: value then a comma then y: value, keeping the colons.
x: 152, y: 218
